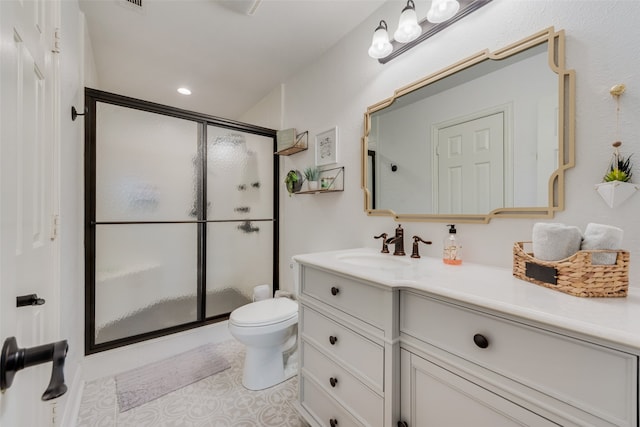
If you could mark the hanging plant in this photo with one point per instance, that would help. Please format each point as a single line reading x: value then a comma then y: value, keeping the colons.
x: 620, y: 168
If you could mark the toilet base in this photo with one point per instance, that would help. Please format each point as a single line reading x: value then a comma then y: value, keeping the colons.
x: 263, y: 368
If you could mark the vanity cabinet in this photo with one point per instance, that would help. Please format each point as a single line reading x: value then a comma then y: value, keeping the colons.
x: 440, y: 395
x: 347, y: 351
x: 507, y: 372
x: 423, y: 345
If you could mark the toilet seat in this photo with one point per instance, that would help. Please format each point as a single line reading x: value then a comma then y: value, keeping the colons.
x: 265, y: 312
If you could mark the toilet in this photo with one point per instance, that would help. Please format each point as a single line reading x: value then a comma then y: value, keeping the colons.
x: 268, y: 328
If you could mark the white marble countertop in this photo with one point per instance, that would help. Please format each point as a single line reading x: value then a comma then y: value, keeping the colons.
x: 611, y: 319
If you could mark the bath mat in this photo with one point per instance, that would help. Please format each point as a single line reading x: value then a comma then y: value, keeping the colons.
x: 149, y: 382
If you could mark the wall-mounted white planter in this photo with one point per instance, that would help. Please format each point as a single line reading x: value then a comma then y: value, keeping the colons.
x: 616, y: 192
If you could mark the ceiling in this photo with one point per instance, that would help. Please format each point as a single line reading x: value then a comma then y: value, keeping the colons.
x: 228, y: 58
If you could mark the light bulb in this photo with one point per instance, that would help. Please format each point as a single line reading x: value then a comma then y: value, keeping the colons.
x: 408, y: 27
x: 380, y: 45
x: 442, y: 10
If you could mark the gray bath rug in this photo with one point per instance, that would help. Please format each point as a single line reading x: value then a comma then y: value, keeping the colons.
x: 149, y: 382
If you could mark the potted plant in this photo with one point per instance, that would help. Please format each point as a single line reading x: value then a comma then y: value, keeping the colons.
x: 312, y: 174
x: 293, y: 181
x: 616, y: 186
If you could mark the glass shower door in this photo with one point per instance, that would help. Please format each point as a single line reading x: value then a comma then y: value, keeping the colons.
x: 145, y: 245
x: 240, y: 217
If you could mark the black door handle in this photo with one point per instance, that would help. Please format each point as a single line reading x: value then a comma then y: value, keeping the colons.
x: 31, y: 299
x: 14, y: 359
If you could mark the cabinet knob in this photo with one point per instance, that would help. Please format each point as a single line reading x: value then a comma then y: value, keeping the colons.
x: 334, y: 291
x: 333, y: 422
x: 481, y: 341
x: 333, y: 340
x: 333, y: 381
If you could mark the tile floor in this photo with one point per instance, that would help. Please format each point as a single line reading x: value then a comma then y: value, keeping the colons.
x: 217, y: 401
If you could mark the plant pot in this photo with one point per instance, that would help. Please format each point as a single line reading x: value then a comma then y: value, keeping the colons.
x: 294, y: 187
x: 312, y: 185
x: 616, y: 192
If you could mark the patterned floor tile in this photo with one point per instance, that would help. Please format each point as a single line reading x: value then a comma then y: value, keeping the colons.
x: 216, y: 401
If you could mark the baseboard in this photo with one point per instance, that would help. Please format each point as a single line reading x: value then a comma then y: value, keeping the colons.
x: 74, y: 399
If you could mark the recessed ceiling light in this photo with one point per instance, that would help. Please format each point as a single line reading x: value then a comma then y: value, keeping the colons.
x: 184, y: 91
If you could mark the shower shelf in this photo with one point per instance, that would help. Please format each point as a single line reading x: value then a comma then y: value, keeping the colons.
x: 333, y: 180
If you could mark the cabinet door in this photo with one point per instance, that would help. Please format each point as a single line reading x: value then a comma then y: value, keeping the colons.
x: 432, y: 396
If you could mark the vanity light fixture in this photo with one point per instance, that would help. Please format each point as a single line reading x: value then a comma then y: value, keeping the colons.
x: 408, y: 27
x: 410, y: 32
x: 442, y: 10
x: 380, y: 45
x: 184, y: 91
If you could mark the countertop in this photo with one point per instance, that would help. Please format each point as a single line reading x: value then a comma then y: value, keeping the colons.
x: 616, y: 320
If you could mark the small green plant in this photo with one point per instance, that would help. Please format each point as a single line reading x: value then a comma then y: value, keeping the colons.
x: 312, y: 173
x: 293, y: 181
x: 620, y: 169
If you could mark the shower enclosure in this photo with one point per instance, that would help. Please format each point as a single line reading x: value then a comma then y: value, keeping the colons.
x: 180, y: 218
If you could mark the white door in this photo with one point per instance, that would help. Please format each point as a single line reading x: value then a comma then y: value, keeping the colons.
x: 471, y: 166
x: 28, y: 181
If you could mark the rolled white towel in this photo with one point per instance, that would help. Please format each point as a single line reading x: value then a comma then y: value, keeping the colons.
x: 600, y: 236
x: 553, y: 241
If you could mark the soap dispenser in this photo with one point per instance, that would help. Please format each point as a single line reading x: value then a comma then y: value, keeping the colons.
x: 452, y: 247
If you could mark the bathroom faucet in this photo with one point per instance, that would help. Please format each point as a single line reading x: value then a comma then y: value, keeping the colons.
x: 416, y: 240
x: 385, y: 248
x: 398, y: 241
x: 14, y: 359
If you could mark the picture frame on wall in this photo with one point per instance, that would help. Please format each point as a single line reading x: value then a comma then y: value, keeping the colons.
x: 327, y: 147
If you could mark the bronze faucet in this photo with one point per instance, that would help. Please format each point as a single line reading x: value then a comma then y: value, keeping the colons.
x: 385, y: 248
x: 416, y: 240
x: 398, y: 241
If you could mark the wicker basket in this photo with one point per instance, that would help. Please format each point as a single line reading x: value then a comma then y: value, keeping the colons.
x: 574, y: 275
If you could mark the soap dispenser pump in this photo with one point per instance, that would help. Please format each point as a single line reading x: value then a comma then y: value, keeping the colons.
x: 452, y: 247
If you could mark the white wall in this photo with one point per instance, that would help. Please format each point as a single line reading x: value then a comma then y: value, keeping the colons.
x: 602, y: 46
x: 73, y: 71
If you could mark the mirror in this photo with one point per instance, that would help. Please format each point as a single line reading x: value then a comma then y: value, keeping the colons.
x: 489, y: 136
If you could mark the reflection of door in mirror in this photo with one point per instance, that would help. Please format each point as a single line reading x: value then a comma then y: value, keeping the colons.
x: 470, y: 166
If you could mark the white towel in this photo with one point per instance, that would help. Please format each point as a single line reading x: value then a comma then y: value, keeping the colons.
x: 553, y: 241
x: 600, y: 236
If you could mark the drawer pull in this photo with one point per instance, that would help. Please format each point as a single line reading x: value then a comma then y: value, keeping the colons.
x: 481, y: 341
x: 333, y: 340
x: 333, y: 422
x: 334, y: 291
x: 333, y: 381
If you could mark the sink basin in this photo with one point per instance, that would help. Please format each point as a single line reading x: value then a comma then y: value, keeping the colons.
x: 370, y: 260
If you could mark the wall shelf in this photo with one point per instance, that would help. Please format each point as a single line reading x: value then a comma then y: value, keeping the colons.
x: 290, y: 143
x: 331, y: 181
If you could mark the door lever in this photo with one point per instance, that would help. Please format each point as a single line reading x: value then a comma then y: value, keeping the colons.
x: 31, y: 299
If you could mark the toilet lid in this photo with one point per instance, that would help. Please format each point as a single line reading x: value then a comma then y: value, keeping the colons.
x: 265, y: 312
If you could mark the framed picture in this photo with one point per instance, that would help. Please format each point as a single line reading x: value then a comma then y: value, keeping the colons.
x: 327, y: 147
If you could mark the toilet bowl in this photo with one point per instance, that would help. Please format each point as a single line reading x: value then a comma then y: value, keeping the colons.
x: 268, y: 329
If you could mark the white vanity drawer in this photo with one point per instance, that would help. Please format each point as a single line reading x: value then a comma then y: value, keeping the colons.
x: 596, y: 379
x: 361, y: 355
x: 363, y: 301
x: 324, y: 410
x: 342, y: 386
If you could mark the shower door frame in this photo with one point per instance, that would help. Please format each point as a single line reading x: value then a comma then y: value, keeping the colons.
x: 92, y: 97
